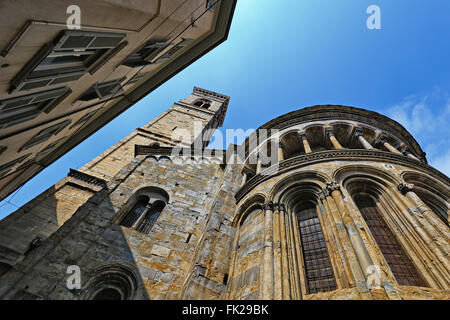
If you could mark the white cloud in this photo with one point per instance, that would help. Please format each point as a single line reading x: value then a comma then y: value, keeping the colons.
x: 427, y: 118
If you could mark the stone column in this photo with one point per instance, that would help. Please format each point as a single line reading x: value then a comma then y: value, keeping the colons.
x: 142, y: 216
x: 244, y: 178
x: 405, y: 151
x: 277, y: 267
x: 333, y: 140
x: 356, y: 240
x: 306, y: 146
x: 284, y: 255
x: 294, y: 250
x: 358, y: 133
x: 258, y: 164
x: 268, y: 276
x: 432, y: 237
x: 382, y: 139
x: 431, y: 252
x: 280, y: 151
x: 353, y: 270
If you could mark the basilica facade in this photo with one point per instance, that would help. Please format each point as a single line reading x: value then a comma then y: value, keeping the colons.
x: 331, y: 202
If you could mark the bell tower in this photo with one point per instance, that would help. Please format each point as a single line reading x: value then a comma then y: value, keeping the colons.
x: 189, y: 122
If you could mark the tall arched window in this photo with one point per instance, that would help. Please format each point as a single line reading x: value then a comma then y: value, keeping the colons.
x: 401, y: 265
x: 146, y: 209
x: 318, y: 269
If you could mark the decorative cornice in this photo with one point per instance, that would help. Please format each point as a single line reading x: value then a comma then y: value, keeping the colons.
x: 150, y: 150
x: 330, y: 155
x: 87, y: 178
x: 339, y: 112
x: 210, y: 93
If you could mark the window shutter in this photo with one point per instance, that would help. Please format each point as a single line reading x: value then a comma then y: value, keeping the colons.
x: 76, y: 40
x: 45, y: 134
x: 145, y: 54
x: 6, y: 168
x: 174, y: 50
x: 103, y: 91
x: 42, y: 82
x: 23, y: 108
x: 84, y: 118
x: 137, y: 77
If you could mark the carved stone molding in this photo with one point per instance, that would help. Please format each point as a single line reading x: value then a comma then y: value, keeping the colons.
x: 343, y: 154
x: 332, y: 186
x: 87, y: 178
x: 404, y: 188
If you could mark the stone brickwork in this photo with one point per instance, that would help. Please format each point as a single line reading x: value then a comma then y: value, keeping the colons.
x: 230, y: 230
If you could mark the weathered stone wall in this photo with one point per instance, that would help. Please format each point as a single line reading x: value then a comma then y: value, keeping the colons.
x: 352, y: 247
x: 42, y: 216
x: 248, y: 259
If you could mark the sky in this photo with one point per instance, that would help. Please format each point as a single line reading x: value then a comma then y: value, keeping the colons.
x: 283, y: 55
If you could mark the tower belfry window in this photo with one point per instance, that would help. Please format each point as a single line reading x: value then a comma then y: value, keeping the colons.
x: 145, y: 211
x: 202, y: 103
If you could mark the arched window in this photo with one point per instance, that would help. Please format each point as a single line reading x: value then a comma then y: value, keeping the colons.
x: 135, y: 213
x: 203, y: 103
x: 151, y: 216
x: 108, y: 294
x: 111, y: 283
x: 146, y: 209
x: 438, y: 207
x: 318, y: 269
x: 401, y: 265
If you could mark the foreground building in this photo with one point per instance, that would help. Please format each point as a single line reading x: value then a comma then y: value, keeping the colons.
x: 60, y: 82
x: 334, y: 203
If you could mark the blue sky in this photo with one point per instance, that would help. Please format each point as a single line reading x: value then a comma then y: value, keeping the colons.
x: 284, y: 55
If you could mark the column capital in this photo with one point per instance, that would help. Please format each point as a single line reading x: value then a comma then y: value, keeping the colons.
x: 404, y: 188
x: 280, y: 144
x: 282, y: 207
x: 381, y: 139
x: 332, y: 186
x: 329, y: 131
x: 301, y: 134
x: 268, y: 206
x: 357, y: 131
x: 404, y: 148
